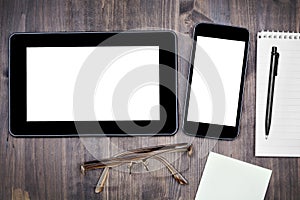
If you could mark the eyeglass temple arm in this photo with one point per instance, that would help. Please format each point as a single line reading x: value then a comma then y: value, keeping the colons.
x: 175, y: 173
x: 102, y: 180
x: 104, y: 175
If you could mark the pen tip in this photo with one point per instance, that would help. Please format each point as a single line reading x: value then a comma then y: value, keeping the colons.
x: 266, y: 137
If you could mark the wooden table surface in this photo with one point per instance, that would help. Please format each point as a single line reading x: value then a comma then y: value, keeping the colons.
x: 48, y: 168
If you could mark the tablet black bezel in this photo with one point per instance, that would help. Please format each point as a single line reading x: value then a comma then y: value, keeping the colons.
x: 216, y: 131
x: 18, y: 42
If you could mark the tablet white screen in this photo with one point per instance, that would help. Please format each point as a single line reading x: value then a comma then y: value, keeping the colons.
x: 227, y: 57
x: 52, y: 73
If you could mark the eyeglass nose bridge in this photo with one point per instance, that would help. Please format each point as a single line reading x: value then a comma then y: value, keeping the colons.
x: 144, y: 162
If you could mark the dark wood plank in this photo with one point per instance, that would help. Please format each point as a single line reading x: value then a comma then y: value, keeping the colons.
x: 48, y: 168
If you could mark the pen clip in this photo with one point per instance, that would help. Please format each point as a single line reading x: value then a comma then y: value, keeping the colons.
x: 276, y: 64
x: 275, y: 55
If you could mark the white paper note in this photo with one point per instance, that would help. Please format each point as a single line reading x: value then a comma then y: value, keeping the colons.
x: 284, y: 135
x: 230, y: 179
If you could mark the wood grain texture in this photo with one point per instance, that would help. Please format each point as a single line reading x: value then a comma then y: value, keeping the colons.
x: 48, y: 168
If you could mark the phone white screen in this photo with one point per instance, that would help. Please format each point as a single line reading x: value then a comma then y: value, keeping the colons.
x: 227, y: 57
x: 52, y: 73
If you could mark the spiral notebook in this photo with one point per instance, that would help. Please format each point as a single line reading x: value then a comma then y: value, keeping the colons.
x: 284, y: 136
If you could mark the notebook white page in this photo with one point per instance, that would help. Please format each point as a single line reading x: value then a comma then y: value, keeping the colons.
x: 284, y: 135
x: 230, y: 179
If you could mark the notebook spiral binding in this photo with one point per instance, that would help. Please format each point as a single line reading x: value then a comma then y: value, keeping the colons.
x: 278, y: 35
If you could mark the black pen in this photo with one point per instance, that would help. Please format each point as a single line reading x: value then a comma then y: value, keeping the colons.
x: 272, y: 74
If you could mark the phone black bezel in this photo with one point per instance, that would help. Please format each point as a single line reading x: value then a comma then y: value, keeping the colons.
x: 18, y: 42
x: 221, y: 131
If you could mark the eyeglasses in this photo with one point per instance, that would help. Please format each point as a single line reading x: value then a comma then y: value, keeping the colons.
x: 136, y: 156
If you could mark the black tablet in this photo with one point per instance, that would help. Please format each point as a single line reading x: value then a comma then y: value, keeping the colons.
x: 216, y: 81
x: 93, y: 84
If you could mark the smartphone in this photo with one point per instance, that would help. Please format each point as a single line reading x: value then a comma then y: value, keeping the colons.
x: 216, y: 81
